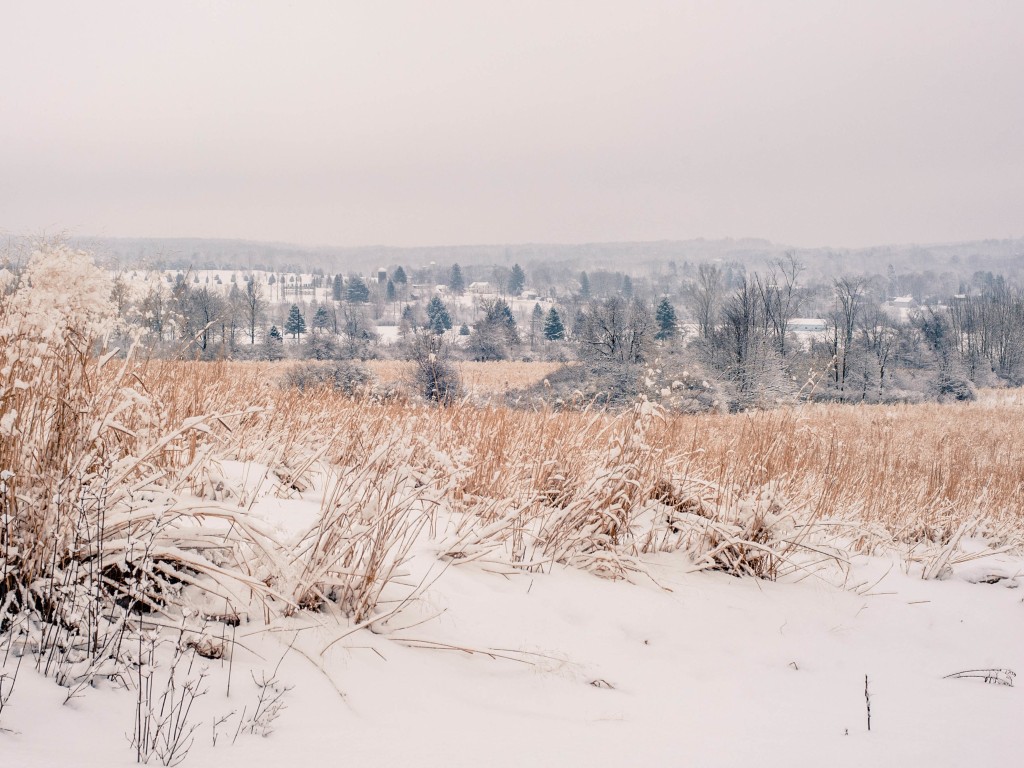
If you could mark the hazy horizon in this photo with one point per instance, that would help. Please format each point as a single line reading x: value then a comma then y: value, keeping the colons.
x: 808, y: 124
x: 86, y: 236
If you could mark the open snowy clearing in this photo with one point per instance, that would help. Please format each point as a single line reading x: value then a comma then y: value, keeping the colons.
x: 490, y: 666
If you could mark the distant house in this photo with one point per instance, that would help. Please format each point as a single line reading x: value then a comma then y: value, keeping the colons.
x: 481, y: 287
x: 808, y: 325
x: 900, y: 307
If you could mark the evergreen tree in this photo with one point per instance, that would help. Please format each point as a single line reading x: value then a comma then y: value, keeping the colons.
x: 516, y: 280
x: 358, y: 291
x: 627, y: 286
x: 536, y: 321
x: 408, y: 321
x: 456, y: 283
x: 389, y: 292
x: 296, y: 323
x: 464, y: 330
x: 438, y: 318
x: 320, y: 346
x: 584, y: 285
x: 668, y: 323
x: 337, y: 286
x: 500, y: 313
x: 321, y: 319
x: 400, y: 277
x: 273, y: 344
x: 579, y: 323
x: 553, y: 328
x: 493, y: 336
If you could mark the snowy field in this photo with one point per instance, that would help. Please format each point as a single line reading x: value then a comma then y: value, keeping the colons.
x: 488, y: 665
x: 203, y: 566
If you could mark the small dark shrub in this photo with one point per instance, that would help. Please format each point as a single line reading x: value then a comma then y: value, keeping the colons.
x: 952, y: 386
x: 340, y: 375
x: 437, y: 379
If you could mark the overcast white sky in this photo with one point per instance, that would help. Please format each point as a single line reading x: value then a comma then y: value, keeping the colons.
x: 418, y: 123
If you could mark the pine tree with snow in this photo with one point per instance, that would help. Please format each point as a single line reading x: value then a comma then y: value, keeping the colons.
x: 321, y: 319
x: 438, y: 318
x: 358, y: 292
x: 516, y: 280
x: 273, y: 344
x: 456, y: 283
x: 536, y: 322
x: 554, y: 330
x: 668, y: 323
x: 296, y: 323
x: 584, y: 286
x: 407, y: 323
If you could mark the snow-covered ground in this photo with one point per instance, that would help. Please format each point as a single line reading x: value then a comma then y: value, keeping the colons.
x: 489, y: 667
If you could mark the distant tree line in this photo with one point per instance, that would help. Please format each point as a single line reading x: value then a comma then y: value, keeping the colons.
x: 709, y: 334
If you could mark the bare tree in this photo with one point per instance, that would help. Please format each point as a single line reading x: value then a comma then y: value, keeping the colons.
x: 617, y: 330
x: 880, y: 337
x: 357, y: 332
x: 155, y: 310
x: 780, y: 297
x: 253, y: 306
x: 203, y: 310
x: 707, y: 295
x: 842, y: 321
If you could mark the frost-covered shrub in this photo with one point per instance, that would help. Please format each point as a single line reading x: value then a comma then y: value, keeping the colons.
x: 320, y: 346
x: 602, y: 383
x: 952, y: 385
x: 61, y: 293
x: 678, y: 386
x: 340, y: 375
x: 434, y: 376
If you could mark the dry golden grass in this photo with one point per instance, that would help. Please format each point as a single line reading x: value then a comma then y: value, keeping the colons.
x: 131, y: 456
x: 755, y: 493
x: 477, y: 378
x: 898, y: 473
